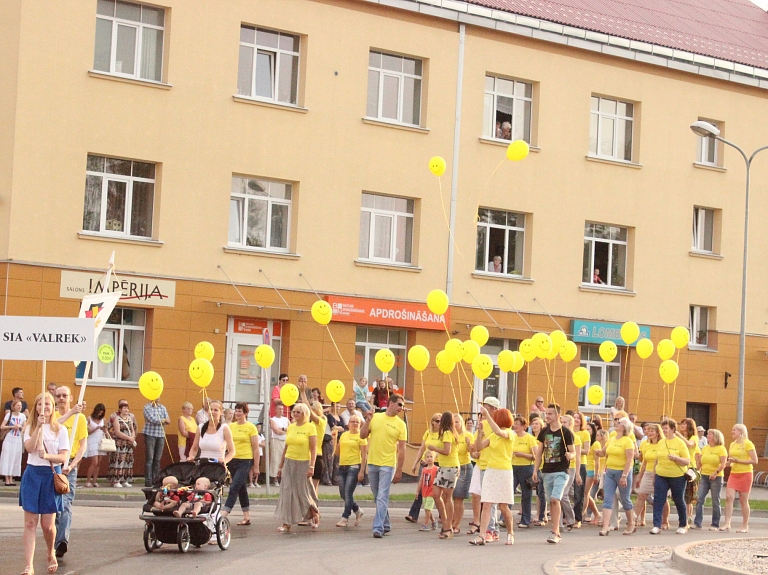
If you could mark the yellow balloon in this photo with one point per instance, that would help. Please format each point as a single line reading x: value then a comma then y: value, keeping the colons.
x: 680, y: 337
x: 542, y: 344
x: 454, y: 350
x: 506, y: 360
x: 385, y: 360
x: 264, y: 355
x: 608, y: 351
x: 527, y: 351
x: 201, y: 372
x: 437, y: 165
x: 151, y: 385
x: 580, y: 376
x: 517, y: 150
x: 630, y: 331
x: 482, y: 366
x: 644, y: 348
x: 479, y: 335
x: 205, y: 350
x: 568, y: 351
x: 418, y: 357
x: 595, y: 394
x: 334, y: 391
x: 665, y: 349
x: 471, y: 350
x: 558, y: 338
x: 289, y: 394
x: 444, y: 363
x: 669, y: 370
x: 437, y: 301
x: 519, y: 362
x: 552, y: 353
x: 322, y: 312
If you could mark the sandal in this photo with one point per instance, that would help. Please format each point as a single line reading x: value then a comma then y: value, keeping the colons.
x: 456, y: 531
x: 474, y: 529
x: 743, y: 530
x: 604, y: 533
x: 510, y: 539
x: 244, y: 522
x: 664, y: 526
x: 629, y: 531
x: 284, y: 529
x: 477, y: 541
x: 53, y: 565
x: 28, y: 571
x: 445, y: 534
x: 303, y: 523
x: 343, y: 522
x: 725, y: 529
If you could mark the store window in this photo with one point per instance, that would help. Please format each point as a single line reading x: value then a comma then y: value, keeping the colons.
x: 394, y: 88
x: 124, y: 331
x: 260, y: 214
x: 500, y: 242
x: 386, y: 229
x: 368, y: 341
x: 268, y: 68
x: 605, y: 255
x: 605, y: 374
x: 507, y: 109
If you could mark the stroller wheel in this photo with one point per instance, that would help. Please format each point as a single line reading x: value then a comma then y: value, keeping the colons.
x: 223, y: 533
x: 182, y: 538
x: 150, y: 538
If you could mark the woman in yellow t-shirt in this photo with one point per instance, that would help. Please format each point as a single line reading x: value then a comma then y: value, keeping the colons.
x: 245, y: 436
x: 589, y: 509
x: 187, y: 430
x: 672, y: 460
x: 522, y: 467
x: 742, y: 456
x: 298, y: 499
x: 581, y: 430
x: 711, y: 463
x: 448, y: 460
x: 352, y: 451
x: 646, y: 477
x: 686, y: 431
x: 428, y: 441
x: 536, y: 427
x: 619, y: 452
x: 461, y: 491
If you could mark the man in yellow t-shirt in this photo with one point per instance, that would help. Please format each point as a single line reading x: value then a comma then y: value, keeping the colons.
x: 386, y: 434
x: 70, y: 417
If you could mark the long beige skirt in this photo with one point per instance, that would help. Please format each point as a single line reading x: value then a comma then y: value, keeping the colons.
x: 297, y: 500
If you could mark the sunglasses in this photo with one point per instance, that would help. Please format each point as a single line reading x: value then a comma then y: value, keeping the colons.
x: 400, y: 404
x: 122, y: 406
x: 435, y: 421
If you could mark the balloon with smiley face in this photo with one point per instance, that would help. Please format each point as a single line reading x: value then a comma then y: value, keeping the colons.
x: 454, y: 350
x: 608, y: 351
x: 542, y: 344
x: 289, y: 394
x: 334, y: 391
x: 471, y: 351
x: 444, y: 363
x: 580, y: 377
x: 418, y: 357
x: 264, y: 356
x: 595, y: 395
x: 482, y: 366
x: 385, y: 360
x: 669, y: 370
x: 506, y: 360
x: 151, y: 385
x: 526, y: 350
x: 558, y: 338
x: 568, y: 351
x: 322, y: 312
x: 201, y: 372
x: 205, y: 350
x: 437, y: 165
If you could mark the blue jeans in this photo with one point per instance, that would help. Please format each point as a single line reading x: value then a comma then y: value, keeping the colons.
x: 381, y: 480
x: 611, y: 484
x: 714, y: 487
x: 153, y: 447
x: 660, y: 487
x: 239, y: 469
x: 347, y: 484
x: 542, y: 498
x: 64, y: 519
x: 521, y: 475
x: 578, y: 503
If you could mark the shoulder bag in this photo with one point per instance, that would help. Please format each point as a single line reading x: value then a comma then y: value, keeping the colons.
x: 60, y: 481
x: 107, y: 444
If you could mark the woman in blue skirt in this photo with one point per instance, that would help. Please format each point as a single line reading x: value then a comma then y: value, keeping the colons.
x: 47, y: 445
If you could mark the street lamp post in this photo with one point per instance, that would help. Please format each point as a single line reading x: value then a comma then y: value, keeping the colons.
x: 705, y: 129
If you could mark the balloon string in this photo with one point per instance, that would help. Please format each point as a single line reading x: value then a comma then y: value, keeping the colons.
x: 337, y: 350
x: 639, y: 387
x: 469, y: 383
x: 445, y: 215
x: 493, y: 172
x: 674, y: 385
x: 168, y: 445
x: 565, y: 386
x: 550, y: 391
x: 453, y: 390
x: 424, y: 398
x: 527, y: 385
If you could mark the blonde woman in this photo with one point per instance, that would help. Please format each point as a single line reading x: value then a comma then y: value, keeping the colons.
x: 593, y: 477
x: 353, y: 454
x: 214, y: 441
x: 319, y: 420
x: 711, y: 463
x: 461, y: 491
x: 620, y: 454
x: 646, y: 478
x: 742, y: 456
x: 187, y: 425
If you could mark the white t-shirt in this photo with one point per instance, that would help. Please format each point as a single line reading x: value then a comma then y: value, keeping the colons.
x: 345, y: 415
x: 282, y: 423
x: 53, y: 444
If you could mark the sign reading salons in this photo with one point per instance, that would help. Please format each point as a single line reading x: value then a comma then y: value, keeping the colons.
x: 139, y: 290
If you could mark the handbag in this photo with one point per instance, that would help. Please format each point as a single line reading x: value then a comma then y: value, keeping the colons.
x: 60, y: 481
x: 107, y: 444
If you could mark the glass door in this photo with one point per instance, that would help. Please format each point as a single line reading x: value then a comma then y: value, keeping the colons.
x: 244, y: 381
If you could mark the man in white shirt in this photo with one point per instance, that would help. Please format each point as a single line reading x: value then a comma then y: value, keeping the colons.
x: 349, y: 412
x: 702, y: 433
x: 203, y: 415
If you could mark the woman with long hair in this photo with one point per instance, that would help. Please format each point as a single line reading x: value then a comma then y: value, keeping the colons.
x: 581, y: 431
x: 214, y: 441
x: 429, y: 440
x: 522, y: 468
x: 381, y: 395
x: 96, y: 432
x: 590, y: 512
x: 445, y: 482
x: 672, y: 461
x: 646, y: 477
x: 741, y: 456
x: 352, y: 451
x: 619, y: 452
x: 686, y: 430
x: 461, y: 491
x: 245, y: 438
x: 13, y: 446
x: 711, y: 463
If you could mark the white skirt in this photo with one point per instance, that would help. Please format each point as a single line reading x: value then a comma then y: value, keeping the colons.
x: 497, y: 486
x: 476, y: 483
x: 92, y: 445
x: 10, y: 458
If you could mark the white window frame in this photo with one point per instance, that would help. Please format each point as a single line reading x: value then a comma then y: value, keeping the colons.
x: 491, y: 106
x: 706, y: 145
x: 393, y: 214
x: 603, y: 366
x: 140, y: 27
x: 695, y: 325
x: 618, y: 119
x: 608, y: 272
x: 401, y: 76
x: 700, y: 221
x: 370, y: 367
x: 507, y: 230
x: 121, y: 329
x: 275, y: 55
x: 270, y: 201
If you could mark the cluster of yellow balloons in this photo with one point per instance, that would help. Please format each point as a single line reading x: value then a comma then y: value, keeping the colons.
x: 151, y: 385
x: 665, y: 349
x: 201, y: 369
x: 548, y: 346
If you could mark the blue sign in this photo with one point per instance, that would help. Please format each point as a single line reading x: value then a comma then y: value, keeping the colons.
x: 598, y: 332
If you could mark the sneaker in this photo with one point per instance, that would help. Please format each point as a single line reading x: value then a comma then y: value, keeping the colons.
x: 553, y: 538
x: 275, y: 484
x: 377, y: 535
x: 425, y: 528
x: 61, y: 549
x: 655, y: 531
x: 118, y: 484
x: 257, y: 486
x: 681, y: 531
x: 126, y: 484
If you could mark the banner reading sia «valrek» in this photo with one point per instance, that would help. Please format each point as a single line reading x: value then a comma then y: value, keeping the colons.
x: 385, y: 313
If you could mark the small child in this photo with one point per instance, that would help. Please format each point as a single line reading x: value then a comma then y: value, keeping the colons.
x: 426, y: 482
x: 228, y: 415
x: 196, y: 499
x: 167, y: 498
x: 361, y: 395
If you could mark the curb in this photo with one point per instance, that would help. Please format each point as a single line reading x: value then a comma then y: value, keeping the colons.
x: 686, y: 563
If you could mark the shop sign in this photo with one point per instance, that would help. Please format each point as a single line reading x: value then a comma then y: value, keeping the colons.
x: 251, y: 326
x: 47, y: 338
x: 598, y: 332
x: 386, y: 313
x: 140, y: 290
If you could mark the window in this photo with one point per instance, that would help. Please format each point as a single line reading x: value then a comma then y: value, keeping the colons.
x: 394, y: 88
x: 707, y: 151
x: 507, y: 109
x: 699, y: 326
x: 269, y: 65
x: 129, y: 39
x: 386, y: 229
x: 605, y: 255
x: 119, y: 197
x: 606, y: 375
x: 124, y: 331
x: 259, y: 214
x: 703, y: 229
x: 370, y: 340
x: 610, y: 129
x: 500, y: 242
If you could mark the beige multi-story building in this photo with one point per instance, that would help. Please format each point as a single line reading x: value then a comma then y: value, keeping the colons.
x: 243, y: 158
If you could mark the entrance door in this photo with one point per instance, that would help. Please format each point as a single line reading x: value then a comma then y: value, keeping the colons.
x: 502, y: 386
x: 244, y: 376
x: 699, y: 412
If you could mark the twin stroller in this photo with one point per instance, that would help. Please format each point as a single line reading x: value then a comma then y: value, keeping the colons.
x: 185, y: 531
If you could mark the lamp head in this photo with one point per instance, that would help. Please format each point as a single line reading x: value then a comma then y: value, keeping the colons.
x: 704, y: 129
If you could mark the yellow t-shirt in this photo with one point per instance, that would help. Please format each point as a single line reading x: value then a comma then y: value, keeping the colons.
x: 464, y: 456
x: 710, y: 459
x: 430, y: 439
x: 524, y: 444
x: 617, y: 452
x: 297, y: 441
x: 385, y: 432
x: 241, y: 436
x: 648, y: 450
x: 585, y: 437
x: 191, y: 424
x: 81, y: 431
x: 741, y: 451
x: 500, y: 451
x: 349, y: 448
x: 665, y: 467
x: 692, y: 451
x: 451, y: 460
x: 591, y: 456
x: 320, y: 430
x: 482, y: 461
x: 576, y: 443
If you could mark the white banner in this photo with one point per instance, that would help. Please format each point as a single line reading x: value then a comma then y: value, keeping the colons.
x: 47, y: 338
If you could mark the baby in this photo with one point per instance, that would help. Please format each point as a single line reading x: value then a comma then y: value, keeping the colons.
x: 167, y: 498
x: 196, y: 499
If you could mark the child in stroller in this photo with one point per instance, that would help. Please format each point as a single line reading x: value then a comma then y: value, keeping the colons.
x: 199, y: 500
x: 167, y: 498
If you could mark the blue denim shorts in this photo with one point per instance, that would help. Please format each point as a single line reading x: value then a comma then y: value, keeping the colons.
x: 554, y: 484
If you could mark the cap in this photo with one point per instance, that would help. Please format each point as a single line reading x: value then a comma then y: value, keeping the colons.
x: 700, y: 428
x: 492, y: 401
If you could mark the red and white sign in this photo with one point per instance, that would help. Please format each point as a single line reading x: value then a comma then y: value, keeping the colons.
x: 386, y: 313
x: 249, y: 325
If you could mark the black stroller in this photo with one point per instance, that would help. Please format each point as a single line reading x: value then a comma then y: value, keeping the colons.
x: 186, y: 531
